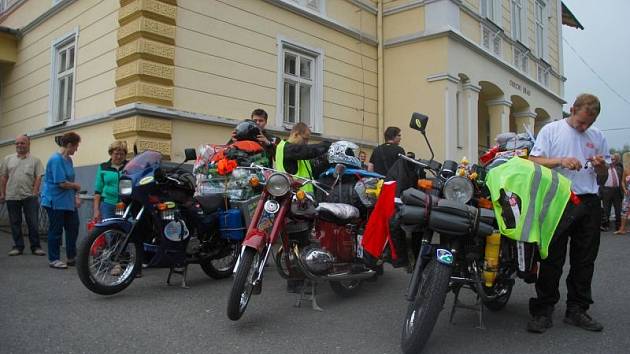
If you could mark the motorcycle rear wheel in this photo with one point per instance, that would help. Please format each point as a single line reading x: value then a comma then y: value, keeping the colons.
x: 423, y: 312
x: 347, y: 288
x: 97, y: 269
x: 242, y: 287
x: 500, y: 301
x: 220, y: 268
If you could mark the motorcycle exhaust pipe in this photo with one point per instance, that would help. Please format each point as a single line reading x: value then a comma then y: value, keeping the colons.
x: 331, y: 277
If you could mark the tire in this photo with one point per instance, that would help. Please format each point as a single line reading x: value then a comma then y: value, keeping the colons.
x: 218, y: 271
x: 346, y: 288
x: 242, y: 287
x: 500, y: 301
x: 94, y: 264
x: 425, y: 309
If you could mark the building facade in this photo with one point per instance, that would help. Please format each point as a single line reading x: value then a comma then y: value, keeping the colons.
x: 172, y: 74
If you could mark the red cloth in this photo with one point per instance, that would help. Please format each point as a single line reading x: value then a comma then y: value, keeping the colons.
x: 377, y: 229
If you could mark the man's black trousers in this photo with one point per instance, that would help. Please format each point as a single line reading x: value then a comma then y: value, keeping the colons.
x: 611, y: 197
x: 580, y: 224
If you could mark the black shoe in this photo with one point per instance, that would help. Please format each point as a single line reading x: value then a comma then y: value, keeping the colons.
x: 604, y: 228
x: 71, y: 262
x: 539, y: 324
x: 581, y: 319
x: 257, y: 289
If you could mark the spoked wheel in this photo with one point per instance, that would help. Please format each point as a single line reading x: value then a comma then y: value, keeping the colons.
x: 346, y: 288
x: 103, y: 265
x: 425, y: 309
x: 242, y: 287
x: 220, y: 268
x: 504, y: 291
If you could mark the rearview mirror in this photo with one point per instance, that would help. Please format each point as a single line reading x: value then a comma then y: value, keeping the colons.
x: 190, y: 154
x: 419, y: 122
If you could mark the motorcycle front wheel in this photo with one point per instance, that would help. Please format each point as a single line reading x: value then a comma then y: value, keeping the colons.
x: 242, y: 287
x: 104, y: 267
x: 423, y: 312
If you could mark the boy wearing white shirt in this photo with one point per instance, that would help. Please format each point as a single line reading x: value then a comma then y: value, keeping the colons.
x: 580, y: 152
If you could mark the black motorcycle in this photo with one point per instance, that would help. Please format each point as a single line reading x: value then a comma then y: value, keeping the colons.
x: 466, y: 252
x: 160, y: 223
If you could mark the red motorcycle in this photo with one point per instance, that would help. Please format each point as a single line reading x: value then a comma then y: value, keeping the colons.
x: 320, y: 242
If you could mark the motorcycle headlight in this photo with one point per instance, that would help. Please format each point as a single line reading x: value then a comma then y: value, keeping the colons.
x: 124, y: 187
x: 458, y: 189
x: 278, y: 185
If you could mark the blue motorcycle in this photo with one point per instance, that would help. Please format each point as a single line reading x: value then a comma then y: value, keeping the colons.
x: 161, y: 223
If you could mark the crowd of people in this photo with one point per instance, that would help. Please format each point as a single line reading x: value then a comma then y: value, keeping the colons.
x: 571, y: 146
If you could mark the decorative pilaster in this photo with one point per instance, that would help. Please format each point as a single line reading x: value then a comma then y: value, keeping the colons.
x: 499, y: 111
x: 146, y: 69
x: 523, y: 119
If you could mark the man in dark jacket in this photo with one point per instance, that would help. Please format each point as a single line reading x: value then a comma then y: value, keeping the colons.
x: 384, y: 156
x: 266, y: 139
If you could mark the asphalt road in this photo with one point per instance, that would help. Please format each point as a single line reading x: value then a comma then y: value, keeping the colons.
x: 43, y: 310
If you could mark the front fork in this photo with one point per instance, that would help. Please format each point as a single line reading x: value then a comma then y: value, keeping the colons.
x: 426, y: 253
x: 134, y: 222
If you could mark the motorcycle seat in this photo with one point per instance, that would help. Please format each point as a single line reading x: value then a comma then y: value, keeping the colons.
x: 339, y: 213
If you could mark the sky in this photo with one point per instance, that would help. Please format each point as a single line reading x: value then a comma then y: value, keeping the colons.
x: 605, y: 45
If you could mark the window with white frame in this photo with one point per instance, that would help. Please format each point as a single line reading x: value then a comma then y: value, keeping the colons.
x: 491, y: 40
x: 63, y: 76
x: 518, y: 20
x: 491, y: 9
x: 314, y: 5
x: 301, y: 83
x: 539, y: 13
x: 520, y: 59
x: 543, y: 74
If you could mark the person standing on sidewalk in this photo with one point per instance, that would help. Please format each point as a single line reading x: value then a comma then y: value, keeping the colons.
x: 384, y: 156
x: 19, y: 188
x: 578, y: 151
x: 612, y: 194
x: 60, y: 198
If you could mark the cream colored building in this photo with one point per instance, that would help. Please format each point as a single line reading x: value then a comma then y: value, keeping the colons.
x: 171, y: 74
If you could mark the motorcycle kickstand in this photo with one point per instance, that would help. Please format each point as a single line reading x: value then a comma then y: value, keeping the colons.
x: 183, y: 272
x: 480, y: 304
x: 455, y: 304
x: 301, y: 296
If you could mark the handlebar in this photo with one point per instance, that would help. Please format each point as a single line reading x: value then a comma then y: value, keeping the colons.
x: 306, y: 180
x: 422, y: 163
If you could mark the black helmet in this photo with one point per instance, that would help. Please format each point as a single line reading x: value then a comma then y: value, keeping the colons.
x: 247, y: 130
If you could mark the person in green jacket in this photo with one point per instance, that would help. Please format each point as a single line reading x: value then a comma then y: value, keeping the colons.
x: 106, y: 184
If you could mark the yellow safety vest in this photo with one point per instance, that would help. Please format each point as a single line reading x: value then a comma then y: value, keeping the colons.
x: 544, y: 194
x: 304, y: 167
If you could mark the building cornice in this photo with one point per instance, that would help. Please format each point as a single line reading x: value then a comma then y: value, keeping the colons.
x: 365, y: 6
x: 443, y: 76
x: 326, y: 21
x: 404, y: 7
x: 149, y: 110
x: 58, y: 7
x: 525, y: 114
x: 499, y: 102
x: 472, y: 87
x: 421, y: 36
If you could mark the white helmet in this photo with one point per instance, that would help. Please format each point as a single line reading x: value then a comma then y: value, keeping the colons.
x: 344, y: 152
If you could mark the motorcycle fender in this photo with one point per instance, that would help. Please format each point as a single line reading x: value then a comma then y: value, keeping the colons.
x: 255, y: 239
x: 118, y: 223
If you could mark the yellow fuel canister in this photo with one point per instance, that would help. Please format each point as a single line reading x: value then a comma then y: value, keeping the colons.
x: 491, y: 259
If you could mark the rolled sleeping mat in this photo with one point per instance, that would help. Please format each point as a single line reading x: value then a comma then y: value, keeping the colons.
x: 487, y: 216
x: 484, y: 229
x: 412, y: 215
x: 451, y: 224
x: 415, y: 197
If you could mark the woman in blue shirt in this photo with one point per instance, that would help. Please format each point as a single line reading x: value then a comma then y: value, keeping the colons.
x: 60, y: 198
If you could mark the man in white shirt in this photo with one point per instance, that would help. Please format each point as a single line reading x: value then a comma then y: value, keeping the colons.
x: 578, y: 151
x: 611, y: 193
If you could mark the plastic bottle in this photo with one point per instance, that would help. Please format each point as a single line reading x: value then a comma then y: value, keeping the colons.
x: 491, y: 259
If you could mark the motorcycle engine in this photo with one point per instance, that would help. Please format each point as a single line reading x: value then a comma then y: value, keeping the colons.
x: 317, y: 260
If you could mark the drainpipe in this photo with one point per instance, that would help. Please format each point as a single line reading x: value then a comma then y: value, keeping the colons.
x: 381, y: 96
